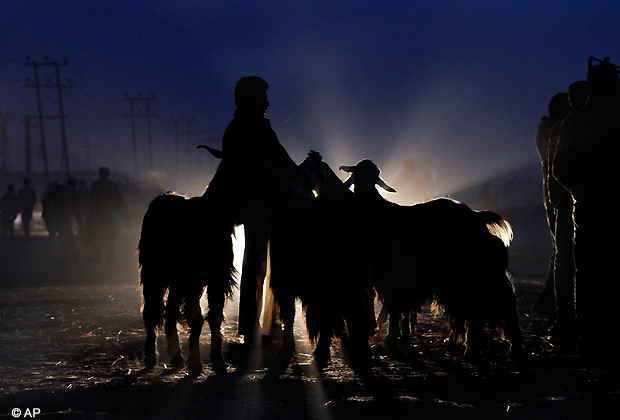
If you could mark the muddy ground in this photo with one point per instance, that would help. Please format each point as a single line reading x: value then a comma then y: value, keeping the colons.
x: 72, y: 347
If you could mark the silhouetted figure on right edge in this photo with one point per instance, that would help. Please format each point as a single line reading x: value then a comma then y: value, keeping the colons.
x: 562, y: 201
x: 103, y: 222
x: 485, y: 199
x: 27, y: 198
x: 9, y: 206
x: 586, y: 162
x: 558, y: 110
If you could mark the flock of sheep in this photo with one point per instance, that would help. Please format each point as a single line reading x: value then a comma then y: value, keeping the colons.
x: 336, y: 252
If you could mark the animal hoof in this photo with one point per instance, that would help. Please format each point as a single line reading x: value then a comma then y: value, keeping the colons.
x: 287, y: 351
x: 177, y: 362
x: 471, y: 355
x: 195, y: 370
x: 517, y: 352
x: 149, y: 364
x: 321, y: 359
x: 219, y: 367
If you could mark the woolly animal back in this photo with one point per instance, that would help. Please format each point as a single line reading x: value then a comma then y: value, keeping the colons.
x: 187, y: 239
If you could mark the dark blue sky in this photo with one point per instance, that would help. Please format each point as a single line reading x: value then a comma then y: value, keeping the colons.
x: 459, y: 86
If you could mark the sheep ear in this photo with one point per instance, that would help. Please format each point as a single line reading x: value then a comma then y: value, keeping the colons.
x: 347, y: 168
x: 385, y: 186
x: 216, y: 153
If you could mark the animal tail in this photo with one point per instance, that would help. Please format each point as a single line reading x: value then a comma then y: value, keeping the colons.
x: 497, y: 225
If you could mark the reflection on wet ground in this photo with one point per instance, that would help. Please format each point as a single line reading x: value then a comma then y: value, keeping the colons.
x: 76, y: 349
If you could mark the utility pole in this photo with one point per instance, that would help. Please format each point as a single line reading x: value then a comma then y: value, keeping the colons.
x: 148, y: 114
x: 133, y: 133
x: 58, y: 86
x: 27, y: 126
x: 5, y: 119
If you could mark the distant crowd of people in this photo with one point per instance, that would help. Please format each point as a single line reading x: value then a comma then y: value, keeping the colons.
x: 579, y: 143
x: 11, y: 205
x: 93, y: 212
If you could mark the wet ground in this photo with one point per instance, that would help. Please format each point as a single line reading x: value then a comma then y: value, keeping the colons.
x: 72, y: 347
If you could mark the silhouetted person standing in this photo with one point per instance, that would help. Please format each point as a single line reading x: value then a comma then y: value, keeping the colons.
x: 259, y: 168
x: 562, y: 201
x: 103, y: 223
x: 84, y: 197
x: 9, y: 206
x: 48, y: 205
x: 485, y: 200
x: 27, y: 198
x: 68, y: 213
x: 558, y: 110
x: 586, y: 163
x: 410, y: 185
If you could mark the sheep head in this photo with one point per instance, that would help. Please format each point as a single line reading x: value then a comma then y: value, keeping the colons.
x: 313, y: 166
x: 365, y: 175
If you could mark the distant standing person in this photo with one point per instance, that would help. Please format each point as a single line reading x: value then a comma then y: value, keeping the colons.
x: 485, y: 199
x: 410, y: 185
x: 48, y: 206
x: 27, y: 198
x: 68, y: 212
x: 103, y: 221
x: 9, y: 206
x: 84, y: 196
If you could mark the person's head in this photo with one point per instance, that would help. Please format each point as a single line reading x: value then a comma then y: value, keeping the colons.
x: 251, y: 95
x: 577, y: 95
x: 26, y: 182
x: 558, y: 105
x: 104, y: 173
x: 603, y: 80
x: 11, y: 188
x: 71, y: 182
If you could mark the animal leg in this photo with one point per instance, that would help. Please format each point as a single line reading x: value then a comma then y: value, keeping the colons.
x: 152, y: 314
x: 172, y: 335
x: 322, y: 352
x: 413, y: 319
x: 514, y: 334
x: 215, y: 317
x: 383, y: 317
x: 394, y: 327
x: 405, y: 326
x: 195, y: 321
x: 475, y: 335
x: 359, y: 332
x: 287, y: 312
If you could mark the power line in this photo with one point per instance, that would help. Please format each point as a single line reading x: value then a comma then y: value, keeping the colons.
x: 27, y: 126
